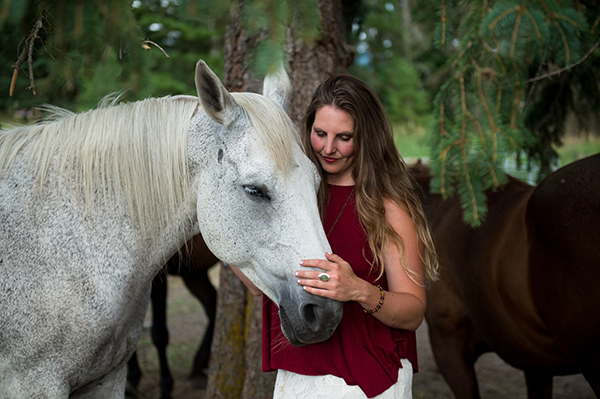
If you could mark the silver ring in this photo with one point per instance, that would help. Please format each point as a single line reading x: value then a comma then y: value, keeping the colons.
x: 324, y: 277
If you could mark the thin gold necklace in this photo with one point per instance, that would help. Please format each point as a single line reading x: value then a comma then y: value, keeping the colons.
x: 340, y: 214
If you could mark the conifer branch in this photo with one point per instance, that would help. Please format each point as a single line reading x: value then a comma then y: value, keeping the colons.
x: 494, y: 177
x: 443, y: 41
x: 515, y: 34
x: 443, y: 165
x: 496, y: 56
x: 513, y: 116
x: 503, y: 68
x: 443, y: 131
x: 565, y: 18
x: 475, y: 220
x: 596, y: 22
x: 546, y: 8
x: 484, y: 102
x: 463, y: 139
x: 477, y: 126
x: 565, y: 43
x: 499, y: 97
x: 558, y: 72
x: 538, y: 33
x: 502, y: 15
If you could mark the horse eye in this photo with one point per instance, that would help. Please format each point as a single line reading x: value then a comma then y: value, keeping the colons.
x: 257, y: 192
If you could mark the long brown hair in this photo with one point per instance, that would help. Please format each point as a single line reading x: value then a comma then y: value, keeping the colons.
x: 379, y: 171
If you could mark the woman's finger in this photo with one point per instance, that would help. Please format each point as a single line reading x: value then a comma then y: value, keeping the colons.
x: 319, y: 291
x: 321, y: 275
x: 320, y: 263
x: 334, y: 258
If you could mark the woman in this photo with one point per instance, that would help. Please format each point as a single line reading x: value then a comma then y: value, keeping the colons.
x: 382, y: 256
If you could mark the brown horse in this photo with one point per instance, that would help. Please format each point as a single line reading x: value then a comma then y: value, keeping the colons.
x: 192, y: 264
x: 523, y: 284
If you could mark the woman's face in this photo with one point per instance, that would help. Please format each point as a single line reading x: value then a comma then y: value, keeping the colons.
x: 332, y: 140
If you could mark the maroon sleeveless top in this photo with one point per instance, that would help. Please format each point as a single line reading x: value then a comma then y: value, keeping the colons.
x: 363, y: 351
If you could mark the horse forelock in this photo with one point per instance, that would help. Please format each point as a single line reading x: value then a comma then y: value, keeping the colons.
x: 273, y: 127
x: 135, y: 151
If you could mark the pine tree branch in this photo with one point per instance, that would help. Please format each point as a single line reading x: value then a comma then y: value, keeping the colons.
x: 484, y: 103
x: 532, y: 88
x: 549, y: 75
x: 515, y: 33
x: 596, y: 22
x: 443, y: 41
x: 516, y: 101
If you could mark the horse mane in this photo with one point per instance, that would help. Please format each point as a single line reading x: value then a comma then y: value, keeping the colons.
x: 272, y: 126
x: 136, y: 151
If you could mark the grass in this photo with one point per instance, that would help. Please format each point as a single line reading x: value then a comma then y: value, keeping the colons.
x: 412, y: 141
x: 578, y: 147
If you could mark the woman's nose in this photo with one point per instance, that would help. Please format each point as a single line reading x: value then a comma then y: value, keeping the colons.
x: 329, y: 147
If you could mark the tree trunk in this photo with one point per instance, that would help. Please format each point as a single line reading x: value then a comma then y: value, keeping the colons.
x: 309, y: 64
x: 226, y: 371
x: 235, y: 368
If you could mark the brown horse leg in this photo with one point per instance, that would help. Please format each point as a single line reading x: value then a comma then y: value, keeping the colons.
x: 455, y: 353
x: 454, y: 341
x: 160, y: 333
x: 539, y: 385
x: 199, y: 284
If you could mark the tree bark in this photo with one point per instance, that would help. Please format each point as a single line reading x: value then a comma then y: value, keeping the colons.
x: 235, y: 368
x: 309, y: 64
x: 226, y: 370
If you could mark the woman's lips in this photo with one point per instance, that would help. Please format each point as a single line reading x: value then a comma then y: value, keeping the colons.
x: 330, y: 160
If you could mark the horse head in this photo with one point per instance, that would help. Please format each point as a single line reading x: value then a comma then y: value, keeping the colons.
x: 257, y: 206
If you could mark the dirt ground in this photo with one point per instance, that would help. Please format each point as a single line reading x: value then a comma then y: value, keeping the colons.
x: 187, y: 320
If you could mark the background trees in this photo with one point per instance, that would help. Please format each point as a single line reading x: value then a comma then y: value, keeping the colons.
x: 490, y: 79
x: 87, y: 49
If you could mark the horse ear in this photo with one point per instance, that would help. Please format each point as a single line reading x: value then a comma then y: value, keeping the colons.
x: 277, y: 86
x: 216, y: 100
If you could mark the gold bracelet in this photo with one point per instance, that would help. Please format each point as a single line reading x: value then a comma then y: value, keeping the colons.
x: 381, y: 298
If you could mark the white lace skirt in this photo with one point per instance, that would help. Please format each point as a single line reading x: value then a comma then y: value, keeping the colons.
x: 297, y: 386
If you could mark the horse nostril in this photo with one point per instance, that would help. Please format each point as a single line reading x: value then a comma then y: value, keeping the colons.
x: 311, y: 314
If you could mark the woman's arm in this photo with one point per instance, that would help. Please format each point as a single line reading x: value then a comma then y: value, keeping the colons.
x: 404, y: 303
x: 253, y: 289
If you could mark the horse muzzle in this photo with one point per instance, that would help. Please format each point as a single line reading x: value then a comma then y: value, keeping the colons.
x: 308, y: 319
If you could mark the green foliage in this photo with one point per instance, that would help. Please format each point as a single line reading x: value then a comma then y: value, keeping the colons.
x: 140, y: 48
x: 272, y: 19
x: 105, y: 78
x: 75, y: 38
x: 393, y: 39
x: 148, y: 49
x: 489, y: 108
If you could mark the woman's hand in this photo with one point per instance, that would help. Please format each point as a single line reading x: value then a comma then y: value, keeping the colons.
x: 343, y: 285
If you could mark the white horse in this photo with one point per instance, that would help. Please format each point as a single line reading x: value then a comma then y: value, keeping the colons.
x: 92, y: 205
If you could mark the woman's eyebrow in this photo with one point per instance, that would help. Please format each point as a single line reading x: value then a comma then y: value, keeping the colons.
x: 340, y: 133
